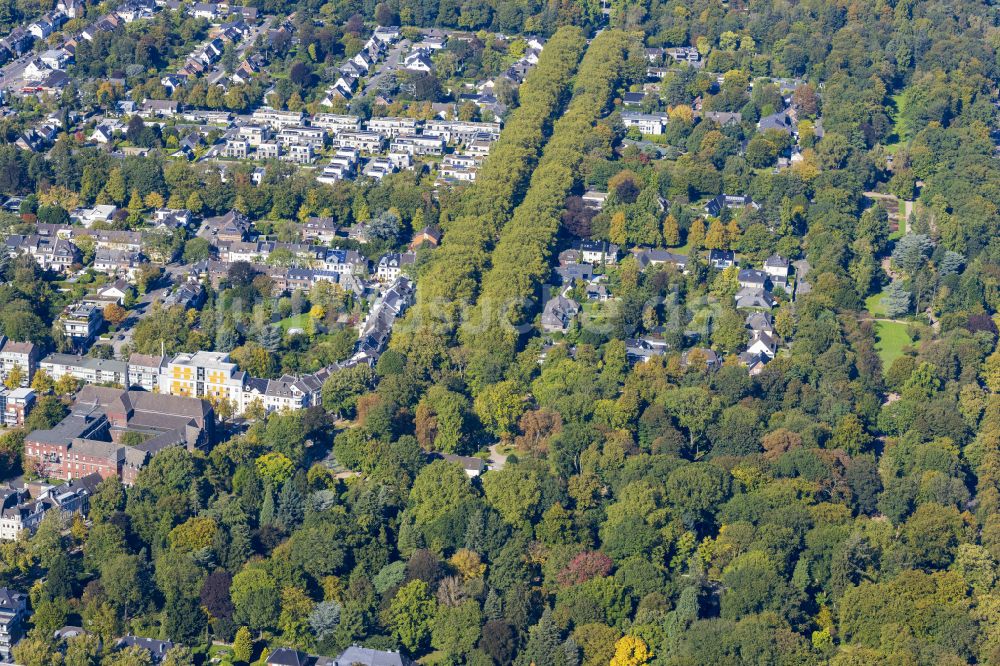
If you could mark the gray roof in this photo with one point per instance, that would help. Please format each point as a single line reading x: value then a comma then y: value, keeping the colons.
x: 369, y: 657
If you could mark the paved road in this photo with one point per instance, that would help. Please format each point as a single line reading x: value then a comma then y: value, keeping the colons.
x: 392, y: 63
x: 173, y: 273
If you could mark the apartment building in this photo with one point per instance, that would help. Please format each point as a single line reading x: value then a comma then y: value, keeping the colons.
x: 21, y: 355
x: 253, y: 134
x: 276, y: 118
x: 334, y: 122
x: 13, y: 611
x: 365, y: 142
x: 15, y: 404
x: 144, y: 371
x: 88, y: 370
x: 80, y: 322
x: 417, y: 144
x: 391, y: 127
x: 204, y: 373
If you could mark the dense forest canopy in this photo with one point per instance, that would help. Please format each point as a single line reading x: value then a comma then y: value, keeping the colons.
x: 841, y: 505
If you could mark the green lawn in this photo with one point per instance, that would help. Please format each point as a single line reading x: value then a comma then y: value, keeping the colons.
x: 874, y: 305
x: 295, y: 321
x: 891, y: 338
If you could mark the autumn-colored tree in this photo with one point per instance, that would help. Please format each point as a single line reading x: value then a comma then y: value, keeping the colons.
x: 716, y: 237
x: 671, y: 231
x: 583, y: 567
x: 468, y: 564
x: 696, y: 234
x: 14, y: 377
x: 537, y: 426
x: 617, y: 232
x: 115, y: 314
x: 631, y: 651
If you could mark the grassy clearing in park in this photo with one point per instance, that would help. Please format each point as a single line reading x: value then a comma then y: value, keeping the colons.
x: 892, y: 337
x: 295, y: 321
x: 874, y: 305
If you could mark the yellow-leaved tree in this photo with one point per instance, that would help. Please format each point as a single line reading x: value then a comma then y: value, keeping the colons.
x: 631, y: 651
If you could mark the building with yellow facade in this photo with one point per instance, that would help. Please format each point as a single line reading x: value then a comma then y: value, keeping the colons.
x: 207, y: 375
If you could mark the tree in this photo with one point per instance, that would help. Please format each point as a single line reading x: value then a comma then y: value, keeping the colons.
x: 696, y: 234
x: 716, y: 238
x: 438, y: 489
x: 135, y: 208
x: 324, y: 618
x: 243, y: 646
x: 515, y: 492
x: 293, y: 622
x: 194, y: 534
x: 275, y: 467
x: 115, y: 186
x: 911, y: 252
x: 896, y: 300
x: 254, y: 359
x: 255, y: 598
x: 671, y: 231
x: 133, y: 655
x: 14, y: 378
x: 195, y: 250
x: 631, y: 651
x: 455, y: 629
x: 115, y: 314
x: 342, y: 388
x: 499, y: 406
x: 42, y: 382
x: 410, y: 614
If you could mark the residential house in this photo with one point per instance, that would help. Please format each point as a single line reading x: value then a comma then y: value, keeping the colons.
x: 144, y: 371
x: 157, y: 649
x: 55, y: 254
x: 723, y: 118
x: 277, y: 118
x: 570, y: 274
x: 319, y: 229
x: 158, y: 108
x: 762, y: 343
x: 640, y: 350
x: 721, y: 259
x: 391, y: 265
x: 429, y: 235
x: 700, y: 357
x: 418, y: 61
x: 98, y: 213
x: 646, y: 123
x: 594, y: 200
x: 776, y: 266
x: 558, y: 313
x: 652, y: 257
x: 233, y: 226
x: 761, y: 322
x: 780, y: 121
x: 723, y: 201
x: 633, y: 99
x: 118, y: 263
x: 342, y: 262
x: 752, y: 298
x: 598, y: 252
x: 753, y: 279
